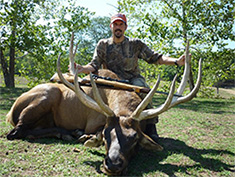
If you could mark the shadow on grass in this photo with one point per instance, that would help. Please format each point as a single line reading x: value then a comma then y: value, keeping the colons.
x: 48, y: 141
x: 147, y: 161
x: 152, y: 160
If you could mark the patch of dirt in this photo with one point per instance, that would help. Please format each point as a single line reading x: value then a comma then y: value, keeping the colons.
x: 230, y: 91
x: 226, y: 93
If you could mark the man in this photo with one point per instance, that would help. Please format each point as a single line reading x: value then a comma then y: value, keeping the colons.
x: 120, y: 55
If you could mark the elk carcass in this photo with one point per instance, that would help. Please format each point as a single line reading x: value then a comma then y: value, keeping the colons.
x: 56, y: 110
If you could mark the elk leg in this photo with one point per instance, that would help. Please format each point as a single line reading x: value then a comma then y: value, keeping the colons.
x: 149, y: 128
x: 55, y: 132
x: 34, y: 115
x: 151, y: 131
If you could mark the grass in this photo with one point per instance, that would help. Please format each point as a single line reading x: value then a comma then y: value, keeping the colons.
x: 198, y: 139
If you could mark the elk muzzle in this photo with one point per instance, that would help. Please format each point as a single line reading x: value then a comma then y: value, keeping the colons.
x: 115, y: 164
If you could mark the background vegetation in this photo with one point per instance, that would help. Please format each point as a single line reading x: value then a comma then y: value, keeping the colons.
x: 33, y: 33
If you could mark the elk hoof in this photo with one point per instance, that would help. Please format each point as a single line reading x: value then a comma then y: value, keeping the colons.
x: 93, y: 142
x: 12, y: 135
x: 84, y: 138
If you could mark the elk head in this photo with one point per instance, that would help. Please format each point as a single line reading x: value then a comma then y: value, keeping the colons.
x: 122, y: 132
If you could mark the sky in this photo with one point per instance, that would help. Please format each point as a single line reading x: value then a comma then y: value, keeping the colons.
x: 101, y: 7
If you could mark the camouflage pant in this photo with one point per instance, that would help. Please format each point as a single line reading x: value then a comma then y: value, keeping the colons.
x: 139, y: 81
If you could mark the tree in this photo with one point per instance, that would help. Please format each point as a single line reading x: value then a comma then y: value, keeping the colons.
x: 208, y: 24
x: 98, y: 29
x: 39, y: 30
x: 217, y: 73
x: 64, y: 21
x: 19, y: 34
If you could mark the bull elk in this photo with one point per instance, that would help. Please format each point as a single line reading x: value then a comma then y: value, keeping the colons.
x: 94, y: 115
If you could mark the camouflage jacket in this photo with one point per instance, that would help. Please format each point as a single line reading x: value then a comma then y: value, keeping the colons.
x: 122, y: 58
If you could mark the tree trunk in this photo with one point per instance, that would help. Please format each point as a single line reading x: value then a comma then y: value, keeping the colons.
x: 190, y: 80
x: 8, y: 77
x: 217, y: 89
x: 9, y: 74
x: 4, y: 68
x: 12, y: 68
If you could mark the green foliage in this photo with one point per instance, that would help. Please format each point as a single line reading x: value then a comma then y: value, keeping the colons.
x: 166, y: 25
x: 43, y: 31
x: 67, y: 19
x: 40, y: 30
x: 18, y: 17
x: 21, y: 35
x: 98, y: 29
x: 218, y: 65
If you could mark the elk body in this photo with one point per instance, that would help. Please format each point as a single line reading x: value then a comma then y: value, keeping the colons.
x: 56, y: 110
x: 53, y: 110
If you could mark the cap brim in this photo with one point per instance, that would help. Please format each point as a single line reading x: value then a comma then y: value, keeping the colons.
x: 116, y: 19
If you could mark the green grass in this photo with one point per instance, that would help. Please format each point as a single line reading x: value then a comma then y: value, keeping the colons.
x: 198, y: 139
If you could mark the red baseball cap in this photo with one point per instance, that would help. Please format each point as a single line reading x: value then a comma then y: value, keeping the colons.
x: 118, y: 16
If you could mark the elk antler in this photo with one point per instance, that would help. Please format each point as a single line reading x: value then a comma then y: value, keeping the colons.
x: 183, y: 83
x: 146, y: 100
x: 171, y: 101
x: 85, y: 99
x: 72, y: 54
x: 193, y: 93
x: 139, y: 114
x: 99, y: 100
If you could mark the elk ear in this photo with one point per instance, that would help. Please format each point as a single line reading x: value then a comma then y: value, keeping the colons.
x: 147, y: 143
x: 55, y: 78
x: 69, y: 77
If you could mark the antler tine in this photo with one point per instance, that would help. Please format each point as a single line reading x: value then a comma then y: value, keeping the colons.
x: 71, y: 55
x: 85, y: 99
x: 193, y: 93
x: 171, y: 100
x: 63, y: 80
x: 151, y: 113
x: 146, y: 100
x: 185, y: 77
x: 98, y: 99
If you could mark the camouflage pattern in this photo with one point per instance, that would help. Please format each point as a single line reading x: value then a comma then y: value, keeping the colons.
x: 122, y: 58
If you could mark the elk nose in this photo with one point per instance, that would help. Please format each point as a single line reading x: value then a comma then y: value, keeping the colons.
x: 114, y: 165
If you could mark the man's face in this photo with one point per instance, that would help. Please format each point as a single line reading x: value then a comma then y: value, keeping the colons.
x: 118, y: 28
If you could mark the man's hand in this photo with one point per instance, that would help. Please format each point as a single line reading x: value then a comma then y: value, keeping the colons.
x: 77, y: 66
x: 86, y: 69
x: 181, y: 60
